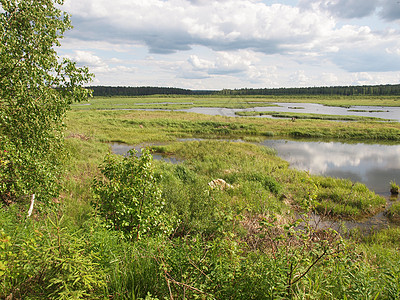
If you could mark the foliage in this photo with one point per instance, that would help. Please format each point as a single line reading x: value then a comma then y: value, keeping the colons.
x: 129, y: 198
x: 46, y: 260
x: 36, y: 89
x: 286, y: 265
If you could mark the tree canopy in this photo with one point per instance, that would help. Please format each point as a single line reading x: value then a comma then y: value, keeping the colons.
x: 36, y: 89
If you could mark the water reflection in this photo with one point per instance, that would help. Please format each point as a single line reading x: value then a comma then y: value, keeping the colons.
x: 374, y: 165
x: 122, y: 149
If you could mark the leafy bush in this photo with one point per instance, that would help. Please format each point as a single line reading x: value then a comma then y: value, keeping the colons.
x: 129, y: 198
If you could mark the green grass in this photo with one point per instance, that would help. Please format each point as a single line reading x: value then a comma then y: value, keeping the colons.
x: 221, y: 249
x: 394, y: 212
x: 134, y: 127
x: 265, y: 182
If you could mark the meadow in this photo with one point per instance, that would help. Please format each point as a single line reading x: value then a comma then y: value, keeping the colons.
x: 170, y: 233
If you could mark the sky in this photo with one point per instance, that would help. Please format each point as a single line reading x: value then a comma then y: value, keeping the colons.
x: 232, y: 44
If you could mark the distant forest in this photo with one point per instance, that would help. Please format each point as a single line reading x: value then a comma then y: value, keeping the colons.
x: 143, y: 91
x: 372, y: 90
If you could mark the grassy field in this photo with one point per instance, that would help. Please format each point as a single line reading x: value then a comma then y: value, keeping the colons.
x: 134, y: 127
x: 250, y: 237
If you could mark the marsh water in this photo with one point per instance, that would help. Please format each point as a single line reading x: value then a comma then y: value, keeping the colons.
x: 390, y: 113
x: 122, y: 149
x: 382, y: 112
x: 375, y: 165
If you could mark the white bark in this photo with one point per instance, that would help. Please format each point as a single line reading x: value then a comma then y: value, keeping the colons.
x: 31, y: 207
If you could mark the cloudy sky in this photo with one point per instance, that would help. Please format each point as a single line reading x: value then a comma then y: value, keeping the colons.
x: 216, y: 44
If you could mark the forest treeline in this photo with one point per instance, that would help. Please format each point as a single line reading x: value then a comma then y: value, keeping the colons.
x: 365, y: 90
x: 107, y: 91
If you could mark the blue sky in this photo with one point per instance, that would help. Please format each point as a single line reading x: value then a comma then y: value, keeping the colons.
x: 203, y: 44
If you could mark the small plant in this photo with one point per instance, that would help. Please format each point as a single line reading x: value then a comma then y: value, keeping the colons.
x: 394, y: 212
x: 394, y: 188
x: 47, y: 260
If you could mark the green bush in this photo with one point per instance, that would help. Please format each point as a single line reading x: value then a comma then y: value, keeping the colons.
x: 129, y: 197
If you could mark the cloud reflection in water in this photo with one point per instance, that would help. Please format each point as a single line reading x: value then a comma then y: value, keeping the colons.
x: 374, y: 165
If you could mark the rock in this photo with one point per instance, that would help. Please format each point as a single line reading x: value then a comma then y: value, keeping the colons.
x: 220, y: 184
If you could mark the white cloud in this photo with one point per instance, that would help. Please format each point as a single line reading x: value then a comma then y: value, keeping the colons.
x: 96, y: 64
x: 169, y: 26
x: 84, y: 57
x: 234, y: 42
x: 200, y: 64
x: 300, y: 77
x: 353, y: 9
x: 343, y: 8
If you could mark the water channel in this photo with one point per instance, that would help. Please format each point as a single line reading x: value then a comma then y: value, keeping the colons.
x: 383, y: 112
x: 375, y: 165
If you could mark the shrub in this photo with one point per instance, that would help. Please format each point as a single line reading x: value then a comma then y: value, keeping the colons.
x: 129, y: 198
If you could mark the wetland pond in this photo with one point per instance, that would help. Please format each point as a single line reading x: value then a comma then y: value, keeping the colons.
x: 375, y: 165
x: 391, y: 113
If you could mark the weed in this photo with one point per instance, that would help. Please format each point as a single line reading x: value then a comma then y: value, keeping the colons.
x: 394, y: 188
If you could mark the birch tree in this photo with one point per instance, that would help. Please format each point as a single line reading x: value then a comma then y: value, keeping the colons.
x: 36, y: 90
